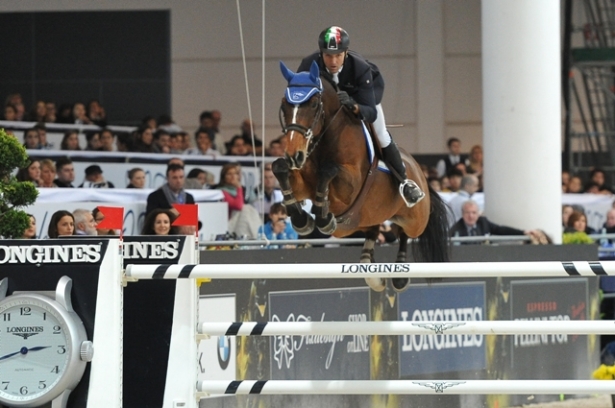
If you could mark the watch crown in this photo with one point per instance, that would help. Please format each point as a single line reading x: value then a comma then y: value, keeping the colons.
x: 87, y: 351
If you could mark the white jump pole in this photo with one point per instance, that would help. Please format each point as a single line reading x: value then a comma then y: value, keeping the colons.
x: 395, y: 328
x: 369, y: 387
x: 384, y: 270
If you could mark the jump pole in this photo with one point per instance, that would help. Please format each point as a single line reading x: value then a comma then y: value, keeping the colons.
x: 384, y: 270
x: 396, y: 328
x: 409, y: 387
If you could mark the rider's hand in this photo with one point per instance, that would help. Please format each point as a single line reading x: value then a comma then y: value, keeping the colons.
x: 346, y: 100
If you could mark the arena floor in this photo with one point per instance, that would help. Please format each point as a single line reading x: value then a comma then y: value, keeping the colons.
x: 602, y: 401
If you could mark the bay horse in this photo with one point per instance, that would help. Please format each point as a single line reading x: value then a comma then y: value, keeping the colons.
x: 327, y: 160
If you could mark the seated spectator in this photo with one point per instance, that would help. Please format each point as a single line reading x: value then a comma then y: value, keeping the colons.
x: 38, y: 113
x: 237, y: 147
x: 62, y: 223
x: 469, y: 185
x: 609, y: 224
x: 31, y: 139
x: 203, y: 144
x: 247, y: 131
x: 473, y: 224
x: 271, y: 193
x: 144, y: 140
x: 461, y: 167
x: 70, y: 141
x: 243, y: 219
x: 42, y: 137
x: 162, y: 141
x: 65, y: 172
x: 454, y: 180
x: 575, y: 185
x: 599, y: 180
x: 445, y: 165
x: 125, y: 142
x: 106, y: 140
x: 17, y: 101
x: 176, y: 142
x: 136, y: 177
x: 275, y: 148
x: 158, y: 222
x: 149, y: 122
x: 92, y: 141
x: 170, y: 193
x: 198, y: 179
x: 435, y: 184
x: 277, y: 227
x: 475, y: 161
x: 80, y: 116
x: 31, y: 173
x: 94, y: 178
x: 565, y: 180
x: 96, y: 113
x: 65, y: 114
x: 48, y: 174
x: 30, y: 233
x: 577, y: 222
x: 567, y: 210
x: 50, y: 116
x: 84, y: 222
x: 10, y: 113
x: 210, y: 121
x: 98, y: 217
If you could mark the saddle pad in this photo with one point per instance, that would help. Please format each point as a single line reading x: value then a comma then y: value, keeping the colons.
x: 371, y: 153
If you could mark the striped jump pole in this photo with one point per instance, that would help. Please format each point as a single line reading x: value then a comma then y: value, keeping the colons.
x: 396, y: 328
x: 383, y: 270
x: 414, y: 387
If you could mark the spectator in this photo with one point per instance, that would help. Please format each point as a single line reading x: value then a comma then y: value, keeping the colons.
x: 598, y: 177
x: 277, y: 228
x: 575, y: 185
x: 469, y: 186
x: 475, y: 161
x: 65, y: 173
x: 42, y: 136
x: 577, y: 222
x: 237, y: 147
x: 144, y: 140
x: 198, y: 179
x: 275, y: 148
x: 50, y: 116
x: 124, y: 142
x: 210, y: 122
x: 158, y: 222
x: 94, y: 178
x: 185, y: 141
x: 247, y: 131
x: 161, y: 141
x: 462, y: 168
x: 92, y: 139
x: 203, y: 145
x: 271, y: 193
x: 454, y: 180
x: 565, y: 180
x: 65, y: 114
x: 445, y: 165
x: 80, y: 116
x: 136, y: 177
x: 170, y: 193
x: 435, y: 184
x: 84, y: 222
x: 62, y: 223
x: 106, y: 140
x: 243, y: 219
x: 10, y: 113
x: 149, y: 122
x: 48, y: 173
x: 609, y: 224
x: 31, y: 139
x: 31, y: 173
x: 176, y: 142
x: 17, y: 102
x: 567, y: 210
x: 30, y: 233
x: 473, y: 224
x: 96, y: 113
x: 98, y: 217
x: 165, y: 122
x: 39, y: 112
x: 70, y: 141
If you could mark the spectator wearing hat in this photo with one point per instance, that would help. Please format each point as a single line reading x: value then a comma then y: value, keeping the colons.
x: 95, y: 179
x: 65, y: 172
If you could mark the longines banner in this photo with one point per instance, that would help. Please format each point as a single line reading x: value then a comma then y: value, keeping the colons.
x: 545, y: 300
x: 429, y: 354
x: 335, y: 357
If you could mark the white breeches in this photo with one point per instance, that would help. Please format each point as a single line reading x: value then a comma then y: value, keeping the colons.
x: 381, y: 128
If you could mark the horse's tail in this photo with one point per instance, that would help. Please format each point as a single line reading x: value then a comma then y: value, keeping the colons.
x: 433, y: 244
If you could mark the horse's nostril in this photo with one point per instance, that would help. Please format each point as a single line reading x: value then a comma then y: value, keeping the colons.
x: 300, y: 158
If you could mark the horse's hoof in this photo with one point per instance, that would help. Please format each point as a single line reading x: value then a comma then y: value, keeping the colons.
x: 330, y: 226
x: 400, y: 284
x: 307, y: 228
x: 377, y: 284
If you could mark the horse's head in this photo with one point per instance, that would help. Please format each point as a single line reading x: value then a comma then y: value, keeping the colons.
x: 301, y: 113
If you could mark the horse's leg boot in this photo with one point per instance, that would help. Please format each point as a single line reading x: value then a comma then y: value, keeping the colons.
x: 408, y: 189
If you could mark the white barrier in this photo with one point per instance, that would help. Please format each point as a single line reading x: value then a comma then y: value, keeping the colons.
x: 390, y: 328
x: 382, y: 270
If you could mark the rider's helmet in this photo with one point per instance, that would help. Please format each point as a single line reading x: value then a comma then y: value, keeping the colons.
x: 333, y: 40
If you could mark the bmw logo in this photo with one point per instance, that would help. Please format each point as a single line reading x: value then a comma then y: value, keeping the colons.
x: 224, y: 351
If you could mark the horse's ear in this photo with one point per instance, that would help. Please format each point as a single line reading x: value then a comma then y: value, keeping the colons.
x: 314, y: 71
x: 287, y: 73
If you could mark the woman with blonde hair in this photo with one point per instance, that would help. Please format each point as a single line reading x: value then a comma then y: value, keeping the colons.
x: 475, y: 161
x: 48, y: 174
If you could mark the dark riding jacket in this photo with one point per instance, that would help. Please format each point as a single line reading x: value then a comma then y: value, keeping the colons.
x: 359, y: 77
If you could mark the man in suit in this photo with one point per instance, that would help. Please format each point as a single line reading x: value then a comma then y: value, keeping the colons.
x: 170, y: 193
x: 473, y: 224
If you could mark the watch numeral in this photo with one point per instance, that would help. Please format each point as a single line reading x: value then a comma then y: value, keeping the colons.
x: 55, y: 369
x: 62, y: 349
x: 57, y: 329
x: 6, y: 385
x: 44, y: 315
x: 42, y: 385
x: 25, y: 311
x: 23, y: 390
x: 6, y: 317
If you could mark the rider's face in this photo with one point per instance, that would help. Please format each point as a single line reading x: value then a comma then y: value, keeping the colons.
x: 334, y: 62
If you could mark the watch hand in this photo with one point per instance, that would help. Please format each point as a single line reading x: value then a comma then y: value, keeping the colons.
x: 24, y: 350
x: 9, y: 355
x: 38, y: 348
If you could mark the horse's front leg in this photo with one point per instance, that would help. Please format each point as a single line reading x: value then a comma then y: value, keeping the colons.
x: 302, y: 222
x: 367, y: 256
x: 325, y: 221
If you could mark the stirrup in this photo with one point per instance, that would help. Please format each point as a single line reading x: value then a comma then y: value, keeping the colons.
x: 418, y: 194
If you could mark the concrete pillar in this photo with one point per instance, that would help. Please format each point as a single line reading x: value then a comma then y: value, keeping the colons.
x: 522, y: 113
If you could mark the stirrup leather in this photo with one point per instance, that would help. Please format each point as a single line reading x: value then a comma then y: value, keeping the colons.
x: 413, y: 185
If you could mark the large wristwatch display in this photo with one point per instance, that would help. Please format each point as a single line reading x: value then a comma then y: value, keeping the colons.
x: 43, y: 347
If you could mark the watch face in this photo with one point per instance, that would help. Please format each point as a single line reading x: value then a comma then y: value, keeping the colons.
x: 34, y: 349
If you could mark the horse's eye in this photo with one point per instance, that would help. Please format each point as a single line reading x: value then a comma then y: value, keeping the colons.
x: 314, y: 103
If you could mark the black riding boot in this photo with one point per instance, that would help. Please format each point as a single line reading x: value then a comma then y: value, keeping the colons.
x: 409, y: 190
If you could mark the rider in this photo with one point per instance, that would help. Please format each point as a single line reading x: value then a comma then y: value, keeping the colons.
x: 360, y: 90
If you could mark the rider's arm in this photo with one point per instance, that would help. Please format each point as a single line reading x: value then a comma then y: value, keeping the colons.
x: 364, y: 97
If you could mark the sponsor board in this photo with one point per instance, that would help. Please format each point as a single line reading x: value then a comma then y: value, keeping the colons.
x: 326, y: 357
x: 548, y: 300
x: 216, y: 355
x: 430, y: 354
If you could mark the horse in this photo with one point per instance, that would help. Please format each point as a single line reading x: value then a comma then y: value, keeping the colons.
x: 327, y: 160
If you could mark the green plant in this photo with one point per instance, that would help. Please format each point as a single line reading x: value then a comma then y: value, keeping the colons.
x: 13, y: 194
x: 576, y: 238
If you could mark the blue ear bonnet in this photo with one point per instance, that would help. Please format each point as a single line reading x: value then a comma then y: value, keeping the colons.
x: 301, y: 85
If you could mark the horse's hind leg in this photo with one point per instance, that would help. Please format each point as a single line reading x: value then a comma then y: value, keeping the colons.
x: 367, y: 256
x: 302, y: 222
x: 401, y: 284
x: 325, y: 221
